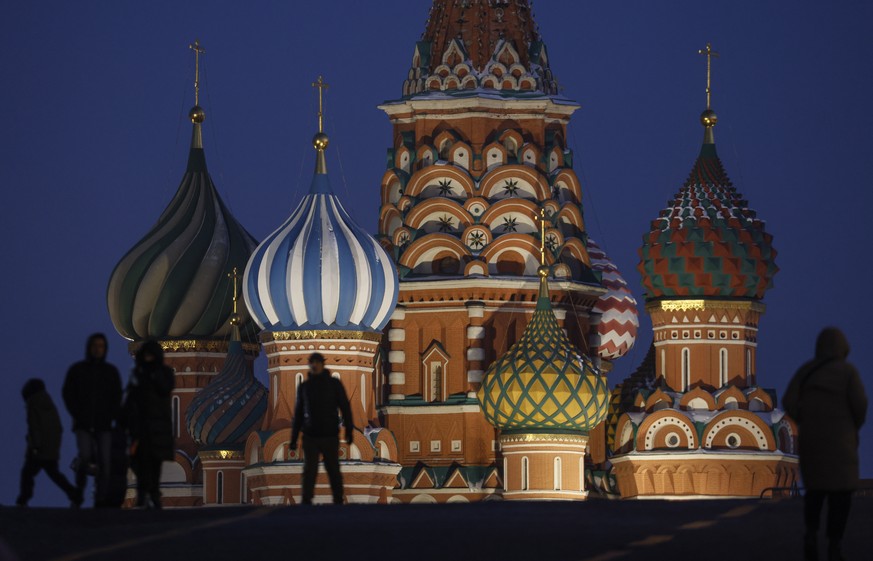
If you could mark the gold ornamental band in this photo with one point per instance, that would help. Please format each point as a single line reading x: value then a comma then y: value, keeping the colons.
x: 539, y: 437
x: 195, y: 345
x: 319, y: 334
x: 207, y: 455
x: 705, y: 304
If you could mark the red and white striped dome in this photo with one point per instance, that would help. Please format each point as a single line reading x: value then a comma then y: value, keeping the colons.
x: 616, y: 328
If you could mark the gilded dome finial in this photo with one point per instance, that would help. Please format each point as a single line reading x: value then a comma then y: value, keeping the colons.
x: 197, y: 114
x: 708, y: 118
x: 320, y: 140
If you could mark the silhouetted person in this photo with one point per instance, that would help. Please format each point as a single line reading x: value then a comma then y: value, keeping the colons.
x: 148, y: 416
x: 92, y: 394
x: 44, y: 432
x: 319, y: 400
x: 826, y: 398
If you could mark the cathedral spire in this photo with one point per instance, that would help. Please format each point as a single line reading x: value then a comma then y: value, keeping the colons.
x: 708, y: 118
x: 320, y: 140
x: 197, y: 114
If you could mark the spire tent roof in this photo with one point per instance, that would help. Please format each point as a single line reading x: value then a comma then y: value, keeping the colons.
x: 480, y: 44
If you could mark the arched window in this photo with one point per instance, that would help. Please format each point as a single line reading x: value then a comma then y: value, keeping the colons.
x: 505, y: 474
x: 363, y: 391
x: 749, y: 366
x: 558, y: 473
x: 177, y: 416
x: 686, y: 368
x: 436, y: 382
x: 298, y: 379
x: 525, y: 479
x: 243, y: 489
x: 275, y: 391
x: 663, y: 363
x: 219, y: 488
x: 722, y: 367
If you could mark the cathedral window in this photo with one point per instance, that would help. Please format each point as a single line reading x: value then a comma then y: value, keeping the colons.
x: 525, y: 477
x: 722, y: 367
x: 686, y: 369
x: 558, y: 473
x: 434, y: 363
x: 177, y: 416
x: 219, y: 488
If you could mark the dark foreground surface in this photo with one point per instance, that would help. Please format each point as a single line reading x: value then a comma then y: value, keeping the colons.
x: 594, y: 530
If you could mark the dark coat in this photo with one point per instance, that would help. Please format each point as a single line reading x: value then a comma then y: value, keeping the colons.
x: 44, y: 429
x: 826, y: 398
x: 319, y: 399
x: 92, y: 392
x: 148, y: 409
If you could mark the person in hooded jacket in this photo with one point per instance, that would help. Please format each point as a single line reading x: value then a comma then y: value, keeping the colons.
x: 826, y: 398
x: 92, y: 394
x: 44, y: 433
x: 148, y: 418
x: 319, y: 401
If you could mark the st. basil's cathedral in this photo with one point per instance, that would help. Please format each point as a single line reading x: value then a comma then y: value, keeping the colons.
x: 474, y: 332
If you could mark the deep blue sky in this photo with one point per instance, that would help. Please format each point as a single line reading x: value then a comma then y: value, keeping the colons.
x: 94, y: 137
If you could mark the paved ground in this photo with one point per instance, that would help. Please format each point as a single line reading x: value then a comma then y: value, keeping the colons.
x: 595, y: 530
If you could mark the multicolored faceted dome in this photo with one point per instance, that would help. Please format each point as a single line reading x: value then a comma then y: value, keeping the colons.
x: 320, y: 270
x: 173, y: 284
x: 616, y: 327
x: 707, y: 242
x: 542, y: 383
x: 231, y: 405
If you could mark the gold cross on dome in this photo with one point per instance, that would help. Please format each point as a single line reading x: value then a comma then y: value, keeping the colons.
x: 321, y: 85
x: 542, y: 236
x: 234, y: 277
x: 708, y: 53
x: 198, y: 50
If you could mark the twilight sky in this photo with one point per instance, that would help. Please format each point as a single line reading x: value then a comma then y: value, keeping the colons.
x: 94, y: 140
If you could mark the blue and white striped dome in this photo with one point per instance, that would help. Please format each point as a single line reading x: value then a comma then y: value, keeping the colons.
x: 320, y: 270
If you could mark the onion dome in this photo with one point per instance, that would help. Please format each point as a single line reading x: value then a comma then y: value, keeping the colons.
x: 233, y: 403
x: 616, y: 329
x: 542, y: 383
x: 320, y: 270
x: 707, y: 242
x: 174, y: 284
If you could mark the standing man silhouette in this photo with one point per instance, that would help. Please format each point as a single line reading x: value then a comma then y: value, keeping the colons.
x: 319, y: 399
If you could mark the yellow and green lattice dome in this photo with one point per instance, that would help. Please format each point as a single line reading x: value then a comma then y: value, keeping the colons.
x: 542, y: 383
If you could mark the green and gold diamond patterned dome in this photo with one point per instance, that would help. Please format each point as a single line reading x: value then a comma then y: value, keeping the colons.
x: 542, y: 383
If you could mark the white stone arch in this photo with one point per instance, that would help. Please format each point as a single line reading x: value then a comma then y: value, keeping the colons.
x: 665, y: 423
x: 173, y: 472
x: 726, y: 422
x: 423, y: 499
x: 458, y: 499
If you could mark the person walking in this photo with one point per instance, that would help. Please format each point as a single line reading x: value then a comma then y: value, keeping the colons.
x: 319, y: 400
x: 148, y: 418
x: 44, y: 433
x: 826, y: 398
x: 92, y: 394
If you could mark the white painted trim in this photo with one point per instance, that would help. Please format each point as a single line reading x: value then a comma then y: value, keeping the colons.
x: 475, y: 376
x: 396, y: 378
x: 476, y: 353
x: 395, y: 334
x: 751, y: 455
x: 397, y: 357
x: 475, y: 332
x: 430, y: 409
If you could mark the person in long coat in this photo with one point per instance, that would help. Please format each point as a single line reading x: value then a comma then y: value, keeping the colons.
x: 148, y: 417
x: 44, y: 433
x: 92, y: 394
x: 826, y: 398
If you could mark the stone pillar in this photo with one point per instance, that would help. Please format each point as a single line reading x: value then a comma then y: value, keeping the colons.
x: 475, y: 345
x: 544, y: 466
x: 396, y: 355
